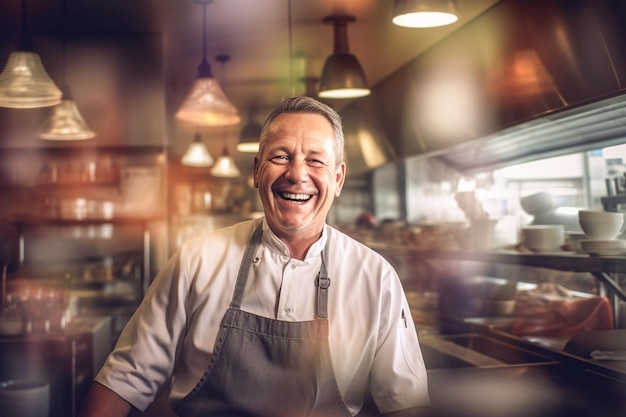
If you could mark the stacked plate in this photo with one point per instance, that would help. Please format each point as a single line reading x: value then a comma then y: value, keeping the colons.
x: 615, y: 247
x: 543, y: 238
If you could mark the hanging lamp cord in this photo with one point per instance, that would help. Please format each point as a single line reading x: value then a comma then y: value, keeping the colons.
x: 25, y: 41
x: 64, y: 86
x: 290, y: 29
x: 204, y: 69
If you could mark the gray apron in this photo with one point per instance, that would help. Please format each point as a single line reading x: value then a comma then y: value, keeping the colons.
x: 268, y: 368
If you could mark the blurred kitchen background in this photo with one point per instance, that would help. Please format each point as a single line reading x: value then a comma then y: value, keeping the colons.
x: 517, y: 101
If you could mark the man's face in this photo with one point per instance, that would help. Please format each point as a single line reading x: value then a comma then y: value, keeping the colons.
x: 297, y: 174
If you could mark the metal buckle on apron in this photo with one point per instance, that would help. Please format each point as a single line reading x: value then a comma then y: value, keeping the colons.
x: 322, y: 283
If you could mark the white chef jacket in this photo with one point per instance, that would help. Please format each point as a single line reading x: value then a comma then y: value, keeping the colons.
x: 372, y: 336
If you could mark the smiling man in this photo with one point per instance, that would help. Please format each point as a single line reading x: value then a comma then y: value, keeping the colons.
x: 299, y: 171
x: 282, y: 316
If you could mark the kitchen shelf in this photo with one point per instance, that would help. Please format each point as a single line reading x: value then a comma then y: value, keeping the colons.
x: 54, y: 187
x: 567, y: 261
x: 74, y: 150
x: 20, y: 223
x: 600, y: 268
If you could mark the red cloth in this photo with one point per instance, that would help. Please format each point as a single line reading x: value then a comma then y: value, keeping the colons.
x: 560, y: 316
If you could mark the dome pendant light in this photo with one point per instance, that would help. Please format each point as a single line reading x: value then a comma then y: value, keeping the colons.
x: 342, y: 75
x: 24, y: 82
x: 250, y: 135
x: 65, y: 122
x: 206, y: 104
x: 197, y: 155
x: 425, y: 13
x: 225, y: 165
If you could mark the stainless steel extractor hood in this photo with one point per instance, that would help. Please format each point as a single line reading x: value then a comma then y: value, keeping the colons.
x: 524, y: 77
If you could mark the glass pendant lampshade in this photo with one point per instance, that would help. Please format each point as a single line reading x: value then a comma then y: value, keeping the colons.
x: 225, y: 166
x: 206, y: 104
x: 250, y: 135
x: 197, y: 155
x: 342, y: 75
x: 425, y: 13
x: 65, y: 123
x: 24, y: 82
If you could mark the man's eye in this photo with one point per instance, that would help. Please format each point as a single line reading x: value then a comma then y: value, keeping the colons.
x: 280, y: 158
x: 316, y: 163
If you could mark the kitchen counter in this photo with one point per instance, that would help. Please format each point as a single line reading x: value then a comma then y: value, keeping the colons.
x: 487, y: 373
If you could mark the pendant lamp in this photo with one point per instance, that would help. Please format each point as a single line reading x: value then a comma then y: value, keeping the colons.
x: 206, y: 104
x: 342, y: 75
x: 197, y: 155
x: 225, y: 165
x: 425, y: 13
x: 250, y: 135
x: 24, y: 82
x: 65, y: 122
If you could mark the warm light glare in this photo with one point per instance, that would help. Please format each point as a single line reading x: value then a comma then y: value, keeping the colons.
x: 425, y: 19
x: 425, y: 13
x: 345, y: 93
x: 248, y: 147
x: 65, y: 123
x: 25, y: 84
x: 526, y: 76
x: 207, y: 105
x: 447, y: 104
x: 225, y: 167
x: 197, y: 155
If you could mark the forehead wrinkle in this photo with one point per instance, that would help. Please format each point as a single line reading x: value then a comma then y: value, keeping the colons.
x: 290, y: 147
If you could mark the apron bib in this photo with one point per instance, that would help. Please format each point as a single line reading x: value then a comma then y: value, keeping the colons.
x: 263, y: 367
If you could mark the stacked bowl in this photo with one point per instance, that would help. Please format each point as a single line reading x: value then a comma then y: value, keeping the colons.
x: 602, y: 229
x: 543, y: 238
x: 538, y: 204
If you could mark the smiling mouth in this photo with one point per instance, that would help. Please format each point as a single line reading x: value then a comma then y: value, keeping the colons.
x: 295, y: 197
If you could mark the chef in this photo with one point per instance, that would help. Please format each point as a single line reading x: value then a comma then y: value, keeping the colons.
x: 278, y: 316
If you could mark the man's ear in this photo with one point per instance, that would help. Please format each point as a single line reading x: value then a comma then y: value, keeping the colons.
x: 255, y: 171
x: 340, y: 178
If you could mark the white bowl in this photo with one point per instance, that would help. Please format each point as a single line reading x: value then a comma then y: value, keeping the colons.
x: 600, y: 225
x: 537, y: 203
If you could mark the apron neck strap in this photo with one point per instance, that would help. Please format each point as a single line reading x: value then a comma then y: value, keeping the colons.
x: 322, y: 281
x: 244, y: 268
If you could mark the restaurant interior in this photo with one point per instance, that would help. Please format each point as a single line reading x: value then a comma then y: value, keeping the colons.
x: 486, y: 161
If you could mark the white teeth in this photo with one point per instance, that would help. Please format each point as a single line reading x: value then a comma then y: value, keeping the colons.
x: 300, y: 197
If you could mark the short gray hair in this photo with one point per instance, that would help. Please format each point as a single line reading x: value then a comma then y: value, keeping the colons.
x: 304, y: 104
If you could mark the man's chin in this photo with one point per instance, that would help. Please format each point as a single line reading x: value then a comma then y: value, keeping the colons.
x: 292, y: 226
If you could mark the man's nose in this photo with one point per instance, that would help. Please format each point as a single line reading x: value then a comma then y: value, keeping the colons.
x: 297, y: 171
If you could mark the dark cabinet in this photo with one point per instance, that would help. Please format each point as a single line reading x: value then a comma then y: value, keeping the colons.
x: 67, y: 360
